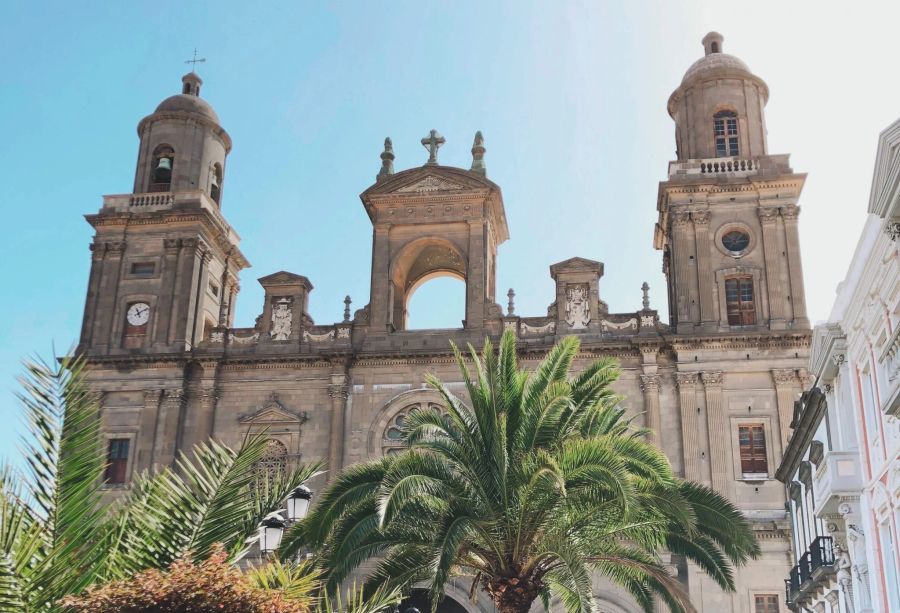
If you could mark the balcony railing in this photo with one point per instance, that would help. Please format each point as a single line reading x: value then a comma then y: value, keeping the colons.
x: 729, y: 166
x: 813, y: 569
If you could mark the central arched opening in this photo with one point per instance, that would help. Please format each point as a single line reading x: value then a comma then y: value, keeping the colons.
x: 437, y: 300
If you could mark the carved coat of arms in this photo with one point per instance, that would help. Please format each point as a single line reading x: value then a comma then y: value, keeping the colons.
x: 578, y: 309
x: 281, y: 320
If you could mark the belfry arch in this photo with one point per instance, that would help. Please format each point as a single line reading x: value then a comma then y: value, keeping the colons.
x: 434, y: 221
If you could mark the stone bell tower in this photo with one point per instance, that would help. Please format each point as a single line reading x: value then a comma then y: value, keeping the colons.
x: 728, y: 211
x: 164, y: 260
x: 434, y: 221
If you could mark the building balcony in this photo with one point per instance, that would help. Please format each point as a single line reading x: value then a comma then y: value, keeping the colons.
x: 814, y: 570
x: 838, y: 476
x: 727, y: 167
x: 159, y: 201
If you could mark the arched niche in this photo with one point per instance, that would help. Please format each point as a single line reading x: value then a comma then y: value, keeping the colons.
x: 418, y: 262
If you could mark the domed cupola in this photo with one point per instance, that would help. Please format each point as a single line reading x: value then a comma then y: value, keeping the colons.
x: 719, y: 107
x: 183, y: 147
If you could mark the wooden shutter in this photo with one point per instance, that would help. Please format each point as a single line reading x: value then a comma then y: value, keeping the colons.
x: 740, y: 302
x: 766, y: 603
x: 117, y: 461
x: 752, y: 441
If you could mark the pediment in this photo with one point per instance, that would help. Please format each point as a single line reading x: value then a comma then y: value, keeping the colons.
x: 273, y: 412
x: 284, y: 277
x: 430, y: 180
x: 576, y: 264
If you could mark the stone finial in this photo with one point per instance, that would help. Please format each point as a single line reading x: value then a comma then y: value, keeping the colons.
x: 387, y: 160
x: 433, y: 142
x: 347, y: 303
x: 478, y: 150
x: 645, y: 289
x: 511, y: 307
x: 712, y: 43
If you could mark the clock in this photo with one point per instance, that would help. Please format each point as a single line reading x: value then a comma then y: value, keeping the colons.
x: 138, y: 314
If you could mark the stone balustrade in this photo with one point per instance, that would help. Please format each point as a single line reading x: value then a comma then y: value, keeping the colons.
x: 728, y: 166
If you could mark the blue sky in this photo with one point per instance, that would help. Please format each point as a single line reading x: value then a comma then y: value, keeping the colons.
x: 570, y: 97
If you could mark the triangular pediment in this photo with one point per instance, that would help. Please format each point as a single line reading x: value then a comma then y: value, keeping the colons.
x: 428, y: 184
x: 284, y: 277
x: 430, y: 180
x: 273, y: 412
x: 577, y: 264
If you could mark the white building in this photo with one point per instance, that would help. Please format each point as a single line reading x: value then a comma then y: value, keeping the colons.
x: 842, y: 464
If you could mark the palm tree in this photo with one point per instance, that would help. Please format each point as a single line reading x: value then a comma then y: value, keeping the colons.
x: 536, y: 483
x: 56, y: 535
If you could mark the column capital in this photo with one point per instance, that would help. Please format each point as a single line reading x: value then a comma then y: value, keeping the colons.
x: 152, y: 396
x: 784, y: 376
x: 767, y: 215
x: 686, y: 379
x: 713, y: 379
x: 681, y: 218
x: 650, y: 383
x: 790, y: 212
x: 700, y: 218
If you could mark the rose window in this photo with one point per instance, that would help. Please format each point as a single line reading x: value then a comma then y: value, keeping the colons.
x: 392, y: 440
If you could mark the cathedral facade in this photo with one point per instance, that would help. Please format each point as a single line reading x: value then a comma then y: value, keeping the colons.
x: 714, y: 379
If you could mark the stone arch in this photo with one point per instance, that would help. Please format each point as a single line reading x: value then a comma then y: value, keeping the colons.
x: 385, y: 421
x: 416, y: 263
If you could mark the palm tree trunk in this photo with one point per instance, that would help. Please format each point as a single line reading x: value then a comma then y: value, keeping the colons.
x: 512, y: 594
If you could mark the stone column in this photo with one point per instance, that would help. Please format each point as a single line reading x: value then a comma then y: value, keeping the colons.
x: 109, y: 294
x: 785, y: 394
x: 718, y: 431
x: 475, y: 275
x: 690, y: 426
x: 768, y: 218
x: 650, y: 387
x: 709, y: 318
x: 146, y: 443
x: 682, y: 248
x: 339, y: 392
x: 199, y: 424
x: 167, y: 427
x: 795, y: 270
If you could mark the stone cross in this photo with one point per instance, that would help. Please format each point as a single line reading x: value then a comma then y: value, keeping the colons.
x: 194, y: 61
x: 646, y: 290
x: 432, y: 142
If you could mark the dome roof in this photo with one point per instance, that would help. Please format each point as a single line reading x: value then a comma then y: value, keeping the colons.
x: 188, y: 103
x: 715, y: 63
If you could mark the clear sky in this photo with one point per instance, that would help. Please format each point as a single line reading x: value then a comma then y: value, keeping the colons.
x: 571, y: 97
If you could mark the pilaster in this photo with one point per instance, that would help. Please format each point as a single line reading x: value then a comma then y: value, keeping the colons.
x: 167, y: 427
x: 684, y: 273
x: 650, y: 387
x: 144, y: 450
x: 718, y: 431
x: 338, y: 390
x: 109, y: 293
x: 786, y: 382
x: 795, y: 270
x: 167, y: 308
x: 709, y: 318
x: 768, y: 219
x: 690, y: 426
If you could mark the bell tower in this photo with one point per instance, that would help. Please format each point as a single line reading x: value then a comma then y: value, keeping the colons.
x: 165, y: 263
x: 434, y: 221
x: 728, y: 210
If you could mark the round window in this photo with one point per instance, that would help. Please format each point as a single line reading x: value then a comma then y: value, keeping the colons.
x: 736, y: 241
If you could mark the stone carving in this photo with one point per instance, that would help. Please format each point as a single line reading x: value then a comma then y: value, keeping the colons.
x: 631, y: 324
x: 649, y: 383
x: 648, y: 321
x: 838, y: 359
x: 844, y: 578
x: 549, y: 328
x: 578, y: 309
x: 281, y: 319
x: 681, y: 218
x: 430, y: 184
x: 685, y: 379
x: 785, y: 376
x: 245, y: 340
x: 343, y: 333
x: 509, y: 325
x: 767, y: 215
x: 893, y: 231
x: 700, y: 217
x: 318, y: 338
x: 712, y: 379
x: 433, y: 142
x: 217, y: 337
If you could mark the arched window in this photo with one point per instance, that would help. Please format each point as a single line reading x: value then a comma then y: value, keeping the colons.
x: 740, y: 302
x: 215, y: 182
x: 392, y: 440
x: 726, y: 129
x: 715, y: 47
x: 438, y: 302
x: 273, y: 463
x: 161, y: 169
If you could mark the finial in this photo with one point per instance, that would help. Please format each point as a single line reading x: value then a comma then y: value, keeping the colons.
x: 712, y: 43
x: 387, y: 160
x: 511, y: 307
x: 432, y: 142
x: 646, y: 291
x: 478, y: 155
x: 347, y: 303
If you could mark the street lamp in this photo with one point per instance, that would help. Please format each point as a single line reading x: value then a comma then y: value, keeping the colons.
x: 270, y: 532
x: 298, y: 503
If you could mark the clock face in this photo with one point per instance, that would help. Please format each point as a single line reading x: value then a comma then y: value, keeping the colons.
x: 138, y: 314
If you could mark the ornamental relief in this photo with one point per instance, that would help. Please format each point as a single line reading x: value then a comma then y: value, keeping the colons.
x: 578, y: 308
x: 282, y: 317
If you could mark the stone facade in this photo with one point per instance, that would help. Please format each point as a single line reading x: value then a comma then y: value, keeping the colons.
x: 842, y: 466
x: 173, y: 369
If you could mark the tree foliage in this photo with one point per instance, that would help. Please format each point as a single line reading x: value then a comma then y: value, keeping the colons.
x: 537, y: 482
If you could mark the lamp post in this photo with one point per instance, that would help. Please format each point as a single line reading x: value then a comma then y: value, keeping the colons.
x: 298, y: 503
x: 270, y: 532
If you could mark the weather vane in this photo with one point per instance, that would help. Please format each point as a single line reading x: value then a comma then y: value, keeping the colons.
x: 194, y: 61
